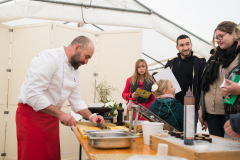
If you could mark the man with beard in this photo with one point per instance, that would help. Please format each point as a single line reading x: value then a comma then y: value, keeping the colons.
x: 187, y: 69
x: 51, y: 79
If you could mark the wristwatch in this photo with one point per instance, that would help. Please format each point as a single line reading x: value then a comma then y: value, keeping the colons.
x: 91, y: 116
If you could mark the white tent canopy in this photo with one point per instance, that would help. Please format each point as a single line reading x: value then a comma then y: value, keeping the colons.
x: 200, y: 18
x: 103, y: 16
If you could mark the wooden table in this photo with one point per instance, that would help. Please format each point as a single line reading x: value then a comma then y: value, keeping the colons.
x: 138, y: 147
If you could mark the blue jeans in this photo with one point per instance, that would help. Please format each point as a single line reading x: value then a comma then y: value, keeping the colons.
x: 215, y: 124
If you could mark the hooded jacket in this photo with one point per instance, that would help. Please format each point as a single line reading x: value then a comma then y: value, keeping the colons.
x: 159, y: 108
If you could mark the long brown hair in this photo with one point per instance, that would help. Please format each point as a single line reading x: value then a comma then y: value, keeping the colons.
x: 135, y: 75
x: 225, y: 26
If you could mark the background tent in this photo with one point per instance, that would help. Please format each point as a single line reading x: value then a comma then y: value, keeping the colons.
x: 162, y: 22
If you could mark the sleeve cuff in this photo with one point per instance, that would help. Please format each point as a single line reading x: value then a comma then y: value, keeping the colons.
x: 41, y: 104
x: 78, y: 107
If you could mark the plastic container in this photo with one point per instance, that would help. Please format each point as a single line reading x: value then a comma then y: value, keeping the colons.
x: 189, y: 118
x: 163, y: 133
x: 201, y: 145
x: 150, y: 128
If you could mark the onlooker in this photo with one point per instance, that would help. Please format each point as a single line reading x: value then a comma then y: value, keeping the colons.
x: 232, y: 112
x: 187, y: 69
x: 140, y: 79
x: 165, y: 106
x: 224, y: 56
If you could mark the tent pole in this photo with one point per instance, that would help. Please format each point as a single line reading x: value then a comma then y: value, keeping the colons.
x: 93, y: 6
x: 5, y: 1
x: 152, y: 11
x: 153, y: 59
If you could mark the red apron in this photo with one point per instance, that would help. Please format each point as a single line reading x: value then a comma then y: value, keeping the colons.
x: 37, y: 134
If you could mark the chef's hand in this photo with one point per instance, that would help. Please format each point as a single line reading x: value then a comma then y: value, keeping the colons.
x: 228, y: 129
x: 67, y: 119
x: 97, y: 119
x: 231, y: 88
x: 136, y: 94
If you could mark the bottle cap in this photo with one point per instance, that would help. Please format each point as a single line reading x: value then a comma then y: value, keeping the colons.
x: 189, y: 92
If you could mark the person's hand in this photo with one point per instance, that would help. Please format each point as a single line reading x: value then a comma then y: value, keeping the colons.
x: 224, y: 92
x: 228, y: 129
x: 204, y: 126
x: 200, y: 115
x: 203, y: 123
x: 231, y: 88
x: 97, y: 119
x: 67, y: 119
x: 136, y: 94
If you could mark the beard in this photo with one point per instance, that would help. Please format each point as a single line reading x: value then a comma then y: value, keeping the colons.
x: 184, y: 55
x: 75, y: 62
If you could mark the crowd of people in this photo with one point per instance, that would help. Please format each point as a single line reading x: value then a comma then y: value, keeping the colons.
x: 53, y: 77
x: 217, y: 106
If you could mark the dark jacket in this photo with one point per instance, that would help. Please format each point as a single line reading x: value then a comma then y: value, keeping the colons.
x: 235, y: 122
x: 198, y: 64
x: 159, y: 108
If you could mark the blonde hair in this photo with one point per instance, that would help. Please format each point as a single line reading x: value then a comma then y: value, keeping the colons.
x: 237, y: 28
x: 226, y: 26
x: 162, y: 84
x: 136, y: 75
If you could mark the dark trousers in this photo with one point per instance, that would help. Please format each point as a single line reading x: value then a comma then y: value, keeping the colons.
x: 215, y: 124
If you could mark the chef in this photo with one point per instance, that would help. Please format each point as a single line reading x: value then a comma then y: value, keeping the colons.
x: 51, y: 79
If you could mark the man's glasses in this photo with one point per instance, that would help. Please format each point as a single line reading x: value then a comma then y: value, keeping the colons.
x: 220, y: 37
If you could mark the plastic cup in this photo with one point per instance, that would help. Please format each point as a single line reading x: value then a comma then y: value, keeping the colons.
x: 163, y: 133
x: 150, y: 128
x: 201, y: 145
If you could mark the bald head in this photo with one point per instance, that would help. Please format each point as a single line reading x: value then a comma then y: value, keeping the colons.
x: 82, y: 41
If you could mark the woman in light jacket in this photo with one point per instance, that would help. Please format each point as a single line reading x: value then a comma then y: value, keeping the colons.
x: 232, y: 111
x: 224, y: 56
x: 140, y: 79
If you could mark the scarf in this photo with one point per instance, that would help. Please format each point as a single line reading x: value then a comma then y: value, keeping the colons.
x: 222, y: 57
x: 147, y: 86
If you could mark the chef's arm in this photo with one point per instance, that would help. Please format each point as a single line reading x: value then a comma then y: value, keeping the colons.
x: 94, y: 118
x: 65, y: 118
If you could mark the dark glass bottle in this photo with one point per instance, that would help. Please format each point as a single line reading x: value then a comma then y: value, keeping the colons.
x: 189, y: 117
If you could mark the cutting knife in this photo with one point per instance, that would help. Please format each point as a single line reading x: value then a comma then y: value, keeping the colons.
x: 99, y: 125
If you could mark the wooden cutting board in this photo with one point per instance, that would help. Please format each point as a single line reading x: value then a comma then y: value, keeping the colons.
x: 83, y: 127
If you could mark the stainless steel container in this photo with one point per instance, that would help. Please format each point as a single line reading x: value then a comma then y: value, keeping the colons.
x: 108, y: 139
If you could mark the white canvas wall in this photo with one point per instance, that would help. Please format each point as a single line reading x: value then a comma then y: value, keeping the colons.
x: 118, y: 52
x: 4, y: 56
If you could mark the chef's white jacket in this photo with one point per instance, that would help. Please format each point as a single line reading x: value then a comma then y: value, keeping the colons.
x: 51, y: 80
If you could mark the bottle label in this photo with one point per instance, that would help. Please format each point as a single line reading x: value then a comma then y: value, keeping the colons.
x: 190, y: 118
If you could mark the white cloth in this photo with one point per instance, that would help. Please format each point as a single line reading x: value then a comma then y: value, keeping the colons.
x: 51, y: 80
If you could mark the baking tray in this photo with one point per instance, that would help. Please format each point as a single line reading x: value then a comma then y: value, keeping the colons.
x: 109, y: 139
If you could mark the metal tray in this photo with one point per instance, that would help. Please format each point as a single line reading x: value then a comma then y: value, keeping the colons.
x: 109, y: 139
